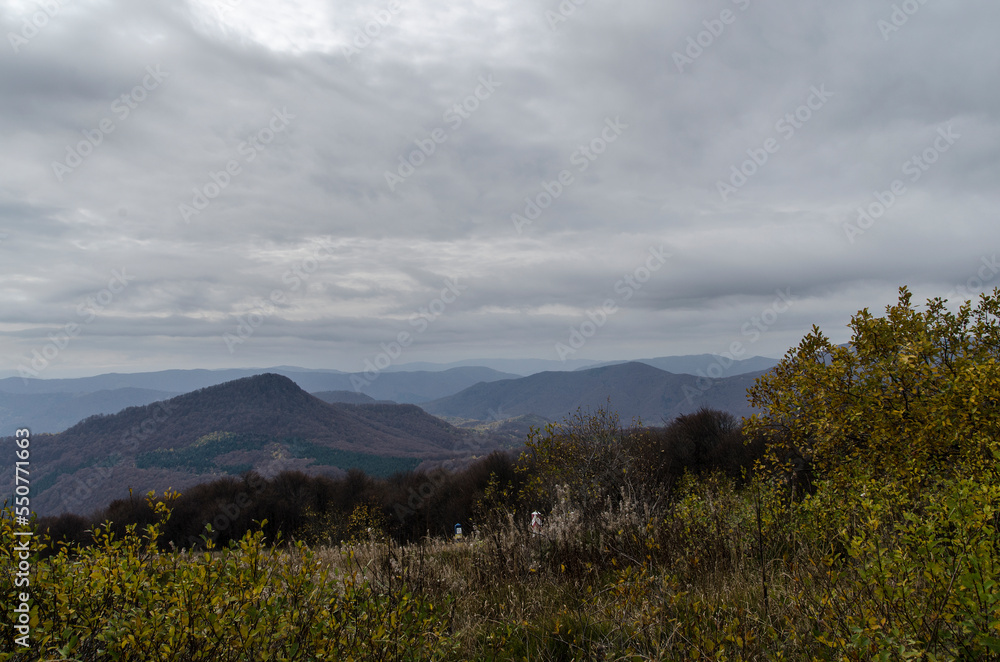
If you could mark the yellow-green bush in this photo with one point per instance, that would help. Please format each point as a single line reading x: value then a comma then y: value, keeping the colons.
x: 908, y: 579
x: 123, y: 600
x: 896, y: 546
x: 912, y: 395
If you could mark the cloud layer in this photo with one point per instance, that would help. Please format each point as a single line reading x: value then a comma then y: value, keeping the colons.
x: 307, y: 177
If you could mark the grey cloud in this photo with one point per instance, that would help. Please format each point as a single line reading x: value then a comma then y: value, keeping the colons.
x: 323, y: 179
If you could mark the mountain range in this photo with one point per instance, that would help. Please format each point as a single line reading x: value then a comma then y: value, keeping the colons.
x: 53, y: 405
x: 406, y: 387
x: 268, y: 422
x: 633, y: 390
x: 702, y: 365
x: 692, y: 364
x: 265, y: 423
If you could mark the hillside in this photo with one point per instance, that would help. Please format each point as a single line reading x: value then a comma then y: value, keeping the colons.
x: 422, y: 386
x: 345, y: 397
x: 636, y: 390
x: 266, y: 423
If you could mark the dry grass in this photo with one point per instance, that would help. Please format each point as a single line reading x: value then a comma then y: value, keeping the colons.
x: 635, y: 586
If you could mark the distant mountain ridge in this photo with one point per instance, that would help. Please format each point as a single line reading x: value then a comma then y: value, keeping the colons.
x: 404, y: 387
x: 519, y: 367
x: 268, y: 423
x: 54, y: 412
x: 53, y: 405
x: 692, y: 364
x: 265, y: 422
x: 635, y: 391
x: 703, y: 365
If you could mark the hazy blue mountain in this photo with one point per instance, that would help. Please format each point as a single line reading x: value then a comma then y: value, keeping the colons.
x: 708, y: 365
x: 54, y: 412
x: 418, y: 387
x: 33, y: 402
x: 174, y: 381
x: 636, y: 390
x: 518, y: 367
x: 402, y: 387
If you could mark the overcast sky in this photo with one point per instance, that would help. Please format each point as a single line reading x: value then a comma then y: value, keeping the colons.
x: 227, y: 183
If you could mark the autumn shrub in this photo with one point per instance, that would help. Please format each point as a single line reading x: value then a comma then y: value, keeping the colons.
x: 912, y: 396
x: 123, y: 599
x: 896, y: 544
